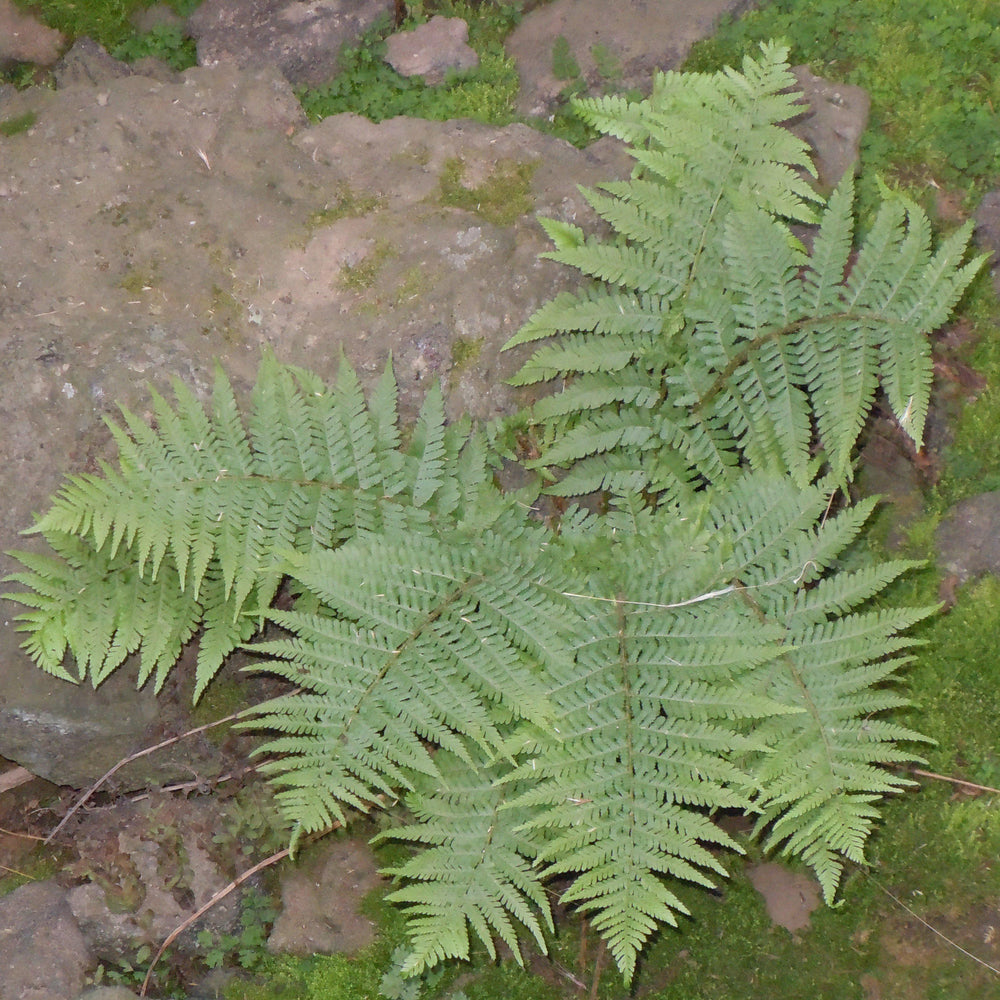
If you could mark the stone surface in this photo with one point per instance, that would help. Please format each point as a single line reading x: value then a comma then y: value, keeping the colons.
x: 320, y: 901
x: 968, y: 538
x: 431, y: 49
x: 184, y: 222
x: 43, y: 955
x: 149, y: 866
x: 639, y: 35
x: 833, y: 125
x: 25, y: 40
x: 88, y: 64
x: 988, y: 232
x: 107, y: 993
x: 789, y: 896
x: 303, y: 40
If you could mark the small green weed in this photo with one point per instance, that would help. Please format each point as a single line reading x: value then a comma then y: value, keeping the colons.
x: 564, y: 66
x: 248, y: 948
x: 368, y: 86
x: 165, y: 41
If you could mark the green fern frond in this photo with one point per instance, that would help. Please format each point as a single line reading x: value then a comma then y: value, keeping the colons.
x: 421, y: 639
x: 752, y: 350
x: 189, y: 531
x: 475, y: 870
x: 826, y: 763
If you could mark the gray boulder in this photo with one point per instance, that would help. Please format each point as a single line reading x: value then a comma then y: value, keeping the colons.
x: 836, y: 119
x: 633, y: 38
x: 24, y: 39
x: 988, y: 232
x: 43, y: 954
x: 968, y: 538
x: 321, y: 900
x: 431, y: 49
x: 303, y: 40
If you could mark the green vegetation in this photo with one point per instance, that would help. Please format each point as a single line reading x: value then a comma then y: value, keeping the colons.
x: 18, y: 124
x: 344, y: 204
x: 108, y: 22
x: 363, y: 275
x: 165, y: 41
x: 718, y: 417
x: 929, y: 65
x: 367, y: 85
x: 501, y: 199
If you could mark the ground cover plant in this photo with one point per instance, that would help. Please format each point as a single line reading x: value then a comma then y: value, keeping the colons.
x: 575, y: 700
x: 929, y: 66
x: 370, y: 86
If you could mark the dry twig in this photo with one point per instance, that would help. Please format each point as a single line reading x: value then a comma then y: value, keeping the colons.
x: 128, y: 760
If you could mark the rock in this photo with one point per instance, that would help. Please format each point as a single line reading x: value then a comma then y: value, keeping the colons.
x: 150, y: 865
x: 43, y: 955
x: 303, y: 40
x: 107, y: 993
x: 23, y: 39
x: 432, y: 49
x: 833, y: 125
x: 968, y: 538
x: 183, y: 222
x: 790, y: 897
x: 88, y: 64
x: 320, y: 901
x: 988, y: 232
x: 158, y: 15
x: 638, y: 38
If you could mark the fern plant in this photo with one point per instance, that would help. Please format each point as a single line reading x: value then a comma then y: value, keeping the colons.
x: 568, y: 701
x: 711, y: 337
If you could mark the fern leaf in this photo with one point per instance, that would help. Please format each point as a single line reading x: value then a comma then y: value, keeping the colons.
x: 200, y: 510
x: 474, y: 871
x: 825, y: 764
x: 424, y: 640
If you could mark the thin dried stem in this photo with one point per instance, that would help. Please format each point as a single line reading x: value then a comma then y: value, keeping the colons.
x: 202, y: 910
x: 954, y: 781
x: 128, y: 760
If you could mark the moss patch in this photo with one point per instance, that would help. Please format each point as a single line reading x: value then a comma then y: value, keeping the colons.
x: 501, y: 199
x: 18, y: 124
x: 363, y: 275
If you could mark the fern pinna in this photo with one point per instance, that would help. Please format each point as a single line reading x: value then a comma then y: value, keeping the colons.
x: 711, y: 336
x: 567, y: 703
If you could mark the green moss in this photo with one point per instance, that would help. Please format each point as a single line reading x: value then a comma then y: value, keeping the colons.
x: 18, y: 124
x: 501, y: 199
x: 345, y: 203
x: 136, y: 281
x: 465, y: 352
x: 362, y: 276
x: 414, y: 283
